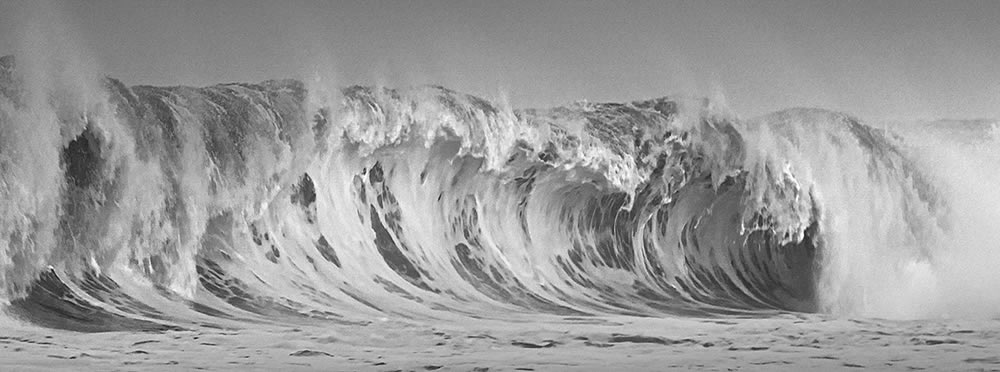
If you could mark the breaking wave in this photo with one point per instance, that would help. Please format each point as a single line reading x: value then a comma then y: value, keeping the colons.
x: 167, y: 207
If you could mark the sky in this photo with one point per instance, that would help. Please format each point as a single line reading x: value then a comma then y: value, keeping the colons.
x: 906, y: 59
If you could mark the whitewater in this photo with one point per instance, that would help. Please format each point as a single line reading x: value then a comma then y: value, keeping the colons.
x: 285, y: 224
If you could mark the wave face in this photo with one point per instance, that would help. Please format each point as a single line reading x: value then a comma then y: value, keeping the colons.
x: 169, y: 207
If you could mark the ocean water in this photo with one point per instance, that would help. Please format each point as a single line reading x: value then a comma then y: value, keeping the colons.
x: 279, y: 206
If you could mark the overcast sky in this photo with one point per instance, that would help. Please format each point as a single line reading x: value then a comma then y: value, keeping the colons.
x: 877, y: 59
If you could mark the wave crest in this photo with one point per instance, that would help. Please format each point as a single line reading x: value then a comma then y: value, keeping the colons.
x: 249, y: 200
